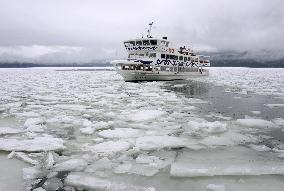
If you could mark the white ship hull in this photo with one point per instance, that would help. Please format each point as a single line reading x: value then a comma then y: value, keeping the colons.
x: 129, y: 75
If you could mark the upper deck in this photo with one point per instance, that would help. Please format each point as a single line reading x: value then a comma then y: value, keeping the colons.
x: 146, y: 44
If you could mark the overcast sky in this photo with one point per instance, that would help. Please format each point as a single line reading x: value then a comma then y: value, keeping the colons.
x: 84, y: 30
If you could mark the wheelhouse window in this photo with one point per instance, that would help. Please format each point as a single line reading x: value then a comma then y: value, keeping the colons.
x: 163, y: 56
x: 188, y: 58
x: 146, y: 42
x: 168, y: 56
x: 153, y: 42
x: 181, y: 58
x: 132, y: 43
x: 152, y: 55
x: 138, y: 43
x: 185, y: 59
x: 126, y: 44
x: 172, y: 57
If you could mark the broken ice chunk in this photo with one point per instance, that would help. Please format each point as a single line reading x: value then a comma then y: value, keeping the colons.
x: 9, y: 130
x: 235, y: 161
x: 274, y: 105
x: 146, y: 159
x: 146, y: 115
x: 33, y: 121
x: 122, y: 168
x: 143, y: 169
x: 87, y: 130
x: 207, y: 127
x: 260, y: 147
x: 256, y: 112
x: 120, y: 133
x: 34, y: 124
x: 89, y: 182
x: 101, y: 164
x: 277, y: 121
x: 32, y: 173
x: 22, y: 156
x: 214, y: 187
x: 109, y: 147
x: 32, y: 145
x: 229, y: 138
x: 254, y: 123
x: 71, y: 165
x: 159, y: 142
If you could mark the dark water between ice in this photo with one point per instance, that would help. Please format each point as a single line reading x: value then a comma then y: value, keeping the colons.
x: 232, y: 104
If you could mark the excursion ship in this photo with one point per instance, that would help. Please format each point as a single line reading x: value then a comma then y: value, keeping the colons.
x: 153, y: 59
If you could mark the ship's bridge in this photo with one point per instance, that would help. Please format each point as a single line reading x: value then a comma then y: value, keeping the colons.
x: 146, y: 45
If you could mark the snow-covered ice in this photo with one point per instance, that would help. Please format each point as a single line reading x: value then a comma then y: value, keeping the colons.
x: 254, y: 122
x: 120, y: 133
x: 229, y: 161
x: 109, y: 147
x: 274, y: 105
x: 71, y: 165
x: 144, y: 115
x: 31, y: 145
x: 9, y: 130
x: 159, y: 142
x: 89, y: 182
x: 207, y: 127
x: 214, y: 187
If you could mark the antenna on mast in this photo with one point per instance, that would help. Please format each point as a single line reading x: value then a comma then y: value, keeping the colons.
x: 149, y: 30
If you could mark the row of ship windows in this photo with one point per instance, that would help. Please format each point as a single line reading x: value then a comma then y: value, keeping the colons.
x: 175, y: 57
x: 150, y: 55
x: 145, y: 43
x: 137, y: 67
x: 163, y: 56
x: 177, y: 69
x: 161, y: 68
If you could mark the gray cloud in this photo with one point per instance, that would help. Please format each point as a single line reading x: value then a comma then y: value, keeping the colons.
x: 96, y: 29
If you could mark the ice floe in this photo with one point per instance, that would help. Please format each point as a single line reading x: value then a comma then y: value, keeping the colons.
x: 101, y: 164
x: 23, y: 156
x: 145, y: 115
x: 34, y: 124
x: 89, y: 182
x: 33, y: 173
x: 215, y: 187
x: 87, y: 130
x: 109, y: 147
x: 256, y: 112
x: 254, y: 123
x: 159, y: 142
x: 277, y: 121
x: 274, y: 105
x: 71, y: 165
x: 260, y: 147
x: 235, y: 161
x: 120, y: 133
x: 31, y: 145
x: 9, y: 130
x: 207, y: 127
x: 228, y: 139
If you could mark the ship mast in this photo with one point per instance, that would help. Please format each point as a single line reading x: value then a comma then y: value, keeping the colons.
x: 149, y: 30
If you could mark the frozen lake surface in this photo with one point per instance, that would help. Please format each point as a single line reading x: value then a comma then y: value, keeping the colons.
x: 76, y: 130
